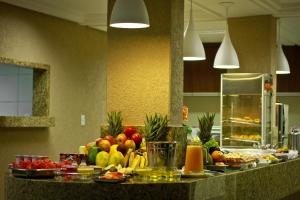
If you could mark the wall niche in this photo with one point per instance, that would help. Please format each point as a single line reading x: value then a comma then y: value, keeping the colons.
x: 25, y: 94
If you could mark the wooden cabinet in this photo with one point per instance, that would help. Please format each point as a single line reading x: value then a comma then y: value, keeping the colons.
x: 200, y: 76
x: 290, y: 82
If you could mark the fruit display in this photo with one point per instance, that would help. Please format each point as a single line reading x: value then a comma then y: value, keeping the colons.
x: 125, y: 150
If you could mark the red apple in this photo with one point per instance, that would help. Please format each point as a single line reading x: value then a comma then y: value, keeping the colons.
x: 137, y: 138
x: 111, y: 139
x: 130, y: 144
x: 104, y: 145
x: 121, y: 138
x: 129, y: 131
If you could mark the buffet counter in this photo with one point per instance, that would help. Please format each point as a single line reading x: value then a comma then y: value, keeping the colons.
x: 277, y: 181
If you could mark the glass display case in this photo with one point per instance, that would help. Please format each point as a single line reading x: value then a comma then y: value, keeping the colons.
x: 245, y: 110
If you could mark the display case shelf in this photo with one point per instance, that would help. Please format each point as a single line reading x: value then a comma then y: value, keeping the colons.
x: 239, y: 123
x: 242, y: 140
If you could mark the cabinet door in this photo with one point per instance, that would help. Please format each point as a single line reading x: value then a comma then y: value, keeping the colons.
x: 290, y: 82
x: 200, y: 76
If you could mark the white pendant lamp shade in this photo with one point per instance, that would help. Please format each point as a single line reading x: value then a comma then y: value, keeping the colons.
x: 226, y: 57
x: 129, y: 14
x: 282, y: 63
x: 192, y: 45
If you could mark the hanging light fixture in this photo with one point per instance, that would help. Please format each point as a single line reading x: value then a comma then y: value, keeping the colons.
x: 129, y: 14
x: 192, y: 45
x: 282, y: 63
x: 226, y: 57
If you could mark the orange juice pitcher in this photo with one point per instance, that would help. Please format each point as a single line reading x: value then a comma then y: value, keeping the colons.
x: 194, y: 158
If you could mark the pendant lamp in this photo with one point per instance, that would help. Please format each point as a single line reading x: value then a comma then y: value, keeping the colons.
x: 130, y: 14
x: 226, y: 57
x: 192, y: 45
x: 282, y: 63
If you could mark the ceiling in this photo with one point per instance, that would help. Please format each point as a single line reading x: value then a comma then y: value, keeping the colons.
x: 209, y: 15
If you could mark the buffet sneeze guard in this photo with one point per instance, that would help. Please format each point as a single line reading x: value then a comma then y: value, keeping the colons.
x: 245, y: 110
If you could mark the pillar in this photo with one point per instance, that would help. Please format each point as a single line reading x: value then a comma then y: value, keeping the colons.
x: 145, y: 66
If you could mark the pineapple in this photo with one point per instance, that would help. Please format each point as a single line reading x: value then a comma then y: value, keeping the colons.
x: 206, y: 122
x: 155, y: 127
x: 114, y: 120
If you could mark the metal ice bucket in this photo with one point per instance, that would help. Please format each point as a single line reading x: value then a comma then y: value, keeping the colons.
x: 294, y: 141
x: 161, y: 154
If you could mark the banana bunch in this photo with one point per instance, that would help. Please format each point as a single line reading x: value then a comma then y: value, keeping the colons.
x: 136, y: 159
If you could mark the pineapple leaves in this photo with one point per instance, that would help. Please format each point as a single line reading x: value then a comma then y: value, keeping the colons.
x: 115, y: 126
x: 155, y: 127
x: 206, y: 122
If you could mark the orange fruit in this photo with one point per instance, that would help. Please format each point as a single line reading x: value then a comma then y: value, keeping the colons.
x: 217, y: 156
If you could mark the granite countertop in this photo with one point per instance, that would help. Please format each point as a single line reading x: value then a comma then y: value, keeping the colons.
x: 277, y: 181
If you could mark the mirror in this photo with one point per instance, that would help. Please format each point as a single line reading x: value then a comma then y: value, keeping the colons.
x: 16, y: 90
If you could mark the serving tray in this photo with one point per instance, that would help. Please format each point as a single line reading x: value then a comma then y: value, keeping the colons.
x: 33, y: 173
x: 103, y: 180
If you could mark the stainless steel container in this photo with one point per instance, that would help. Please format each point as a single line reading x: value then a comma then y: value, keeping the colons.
x: 294, y: 141
x: 161, y: 155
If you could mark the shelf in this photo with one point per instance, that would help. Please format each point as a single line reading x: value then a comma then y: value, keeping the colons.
x: 29, y: 122
x: 243, y: 123
x: 242, y: 140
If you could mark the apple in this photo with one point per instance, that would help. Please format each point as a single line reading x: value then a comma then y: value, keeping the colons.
x: 111, y: 139
x: 104, y: 145
x: 121, y: 138
x: 137, y: 138
x: 130, y: 144
x: 129, y: 131
x: 97, y: 141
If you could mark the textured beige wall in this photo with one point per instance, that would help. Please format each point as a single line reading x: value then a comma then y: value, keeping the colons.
x: 200, y: 104
x: 76, y: 55
x: 145, y: 67
x: 254, y: 39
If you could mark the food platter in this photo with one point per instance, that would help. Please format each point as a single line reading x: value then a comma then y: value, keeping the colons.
x: 110, y: 177
x: 33, y: 173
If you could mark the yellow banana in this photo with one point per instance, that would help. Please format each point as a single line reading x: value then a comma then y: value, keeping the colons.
x: 131, y: 158
x: 126, y: 159
x: 146, y: 159
x: 142, y: 163
x: 136, y: 161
